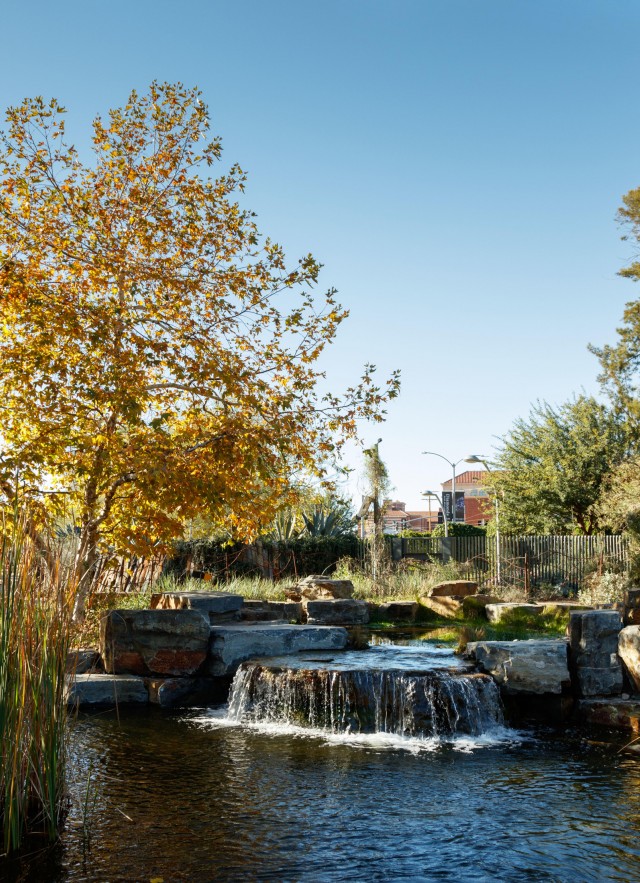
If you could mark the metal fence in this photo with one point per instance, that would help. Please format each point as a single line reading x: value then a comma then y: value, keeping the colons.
x: 525, y: 561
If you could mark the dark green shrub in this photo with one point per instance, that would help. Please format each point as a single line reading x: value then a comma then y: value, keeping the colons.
x: 280, y: 558
x: 459, y: 530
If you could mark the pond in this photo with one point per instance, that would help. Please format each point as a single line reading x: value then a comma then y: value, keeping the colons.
x: 199, y: 796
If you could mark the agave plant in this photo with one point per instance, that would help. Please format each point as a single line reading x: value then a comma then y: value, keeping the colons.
x: 335, y: 522
x: 284, y: 526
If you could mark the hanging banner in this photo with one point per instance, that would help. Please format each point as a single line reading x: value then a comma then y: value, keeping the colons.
x: 447, y: 505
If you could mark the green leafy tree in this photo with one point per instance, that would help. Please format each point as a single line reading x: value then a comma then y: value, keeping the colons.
x: 551, y: 469
x: 620, y: 508
x: 620, y: 362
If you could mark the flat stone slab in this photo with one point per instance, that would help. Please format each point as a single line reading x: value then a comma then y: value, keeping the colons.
x: 504, y: 610
x: 215, y: 605
x: 342, y: 611
x: 618, y: 713
x: 87, y: 690
x: 460, y: 588
x: 232, y: 644
x: 271, y: 611
x: 535, y: 666
x: 154, y: 642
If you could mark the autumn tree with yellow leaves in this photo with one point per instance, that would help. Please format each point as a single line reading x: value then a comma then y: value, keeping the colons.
x: 158, y: 357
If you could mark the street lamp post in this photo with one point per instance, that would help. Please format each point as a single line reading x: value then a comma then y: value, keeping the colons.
x: 430, y: 494
x: 453, y: 483
x: 476, y: 458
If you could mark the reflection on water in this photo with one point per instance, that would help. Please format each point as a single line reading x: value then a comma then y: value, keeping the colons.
x: 416, y: 636
x: 180, y: 800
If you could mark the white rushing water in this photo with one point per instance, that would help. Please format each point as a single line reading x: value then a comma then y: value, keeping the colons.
x: 392, y: 697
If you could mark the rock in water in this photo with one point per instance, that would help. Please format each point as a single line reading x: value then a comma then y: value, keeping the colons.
x: 524, y: 666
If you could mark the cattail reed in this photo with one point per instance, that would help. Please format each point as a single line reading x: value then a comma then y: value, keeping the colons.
x: 35, y: 617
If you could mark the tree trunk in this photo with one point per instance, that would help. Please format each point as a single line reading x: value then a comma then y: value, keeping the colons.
x: 87, y: 561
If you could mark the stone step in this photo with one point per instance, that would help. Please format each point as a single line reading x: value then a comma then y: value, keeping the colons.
x: 87, y: 690
x: 256, y: 610
x: 218, y: 606
x: 339, y: 611
x: 235, y: 643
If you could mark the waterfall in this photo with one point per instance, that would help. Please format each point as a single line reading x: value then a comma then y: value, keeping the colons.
x: 435, y: 703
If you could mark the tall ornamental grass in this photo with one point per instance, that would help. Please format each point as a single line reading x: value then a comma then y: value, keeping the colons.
x: 35, y: 618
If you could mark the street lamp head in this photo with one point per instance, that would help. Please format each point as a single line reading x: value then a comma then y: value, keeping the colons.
x: 476, y: 458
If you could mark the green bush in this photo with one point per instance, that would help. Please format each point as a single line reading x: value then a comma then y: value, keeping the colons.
x: 458, y: 529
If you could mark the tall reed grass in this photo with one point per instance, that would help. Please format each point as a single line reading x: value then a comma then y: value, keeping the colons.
x: 35, y: 619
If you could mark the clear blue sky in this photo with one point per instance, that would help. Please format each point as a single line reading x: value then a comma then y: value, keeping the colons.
x: 455, y: 164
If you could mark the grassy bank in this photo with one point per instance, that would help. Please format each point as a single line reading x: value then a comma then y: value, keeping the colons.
x: 405, y: 585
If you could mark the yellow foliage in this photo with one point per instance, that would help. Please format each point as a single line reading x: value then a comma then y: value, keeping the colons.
x: 157, y: 359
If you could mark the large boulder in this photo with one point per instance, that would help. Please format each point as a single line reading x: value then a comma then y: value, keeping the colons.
x: 185, y: 692
x: 460, y: 588
x: 233, y: 644
x: 217, y: 606
x: 593, y: 652
x: 475, y: 606
x: 629, y: 652
x: 445, y: 606
x: 397, y: 611
x: 344, y: 611
x: 154, y: 642
x: 319, y: 588
x: 535, y: 666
